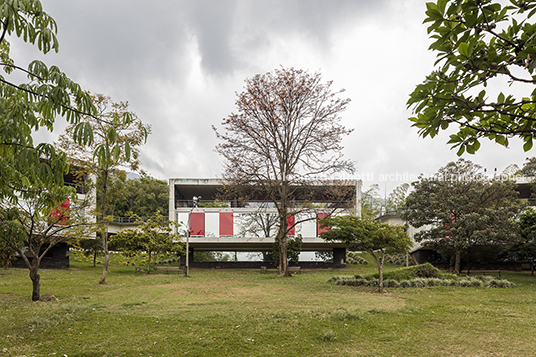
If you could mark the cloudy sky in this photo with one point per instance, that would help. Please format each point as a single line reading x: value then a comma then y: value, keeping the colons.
x: 180, y: 64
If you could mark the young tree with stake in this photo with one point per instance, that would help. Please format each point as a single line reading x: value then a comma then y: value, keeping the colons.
x: 374, y: 237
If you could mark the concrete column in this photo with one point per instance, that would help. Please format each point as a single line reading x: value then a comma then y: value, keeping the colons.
x: 191, y: 257
x: 339, y: 257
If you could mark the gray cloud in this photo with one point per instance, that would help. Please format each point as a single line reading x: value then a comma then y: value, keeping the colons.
x: 179, y: 63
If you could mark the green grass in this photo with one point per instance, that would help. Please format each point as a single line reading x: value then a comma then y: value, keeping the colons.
x: 245, y: 313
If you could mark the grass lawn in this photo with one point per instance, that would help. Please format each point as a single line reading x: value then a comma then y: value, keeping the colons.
x: 245, y: 313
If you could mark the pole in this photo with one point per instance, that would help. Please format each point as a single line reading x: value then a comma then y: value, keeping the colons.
x: 188, y: 241
x: 187, y: 248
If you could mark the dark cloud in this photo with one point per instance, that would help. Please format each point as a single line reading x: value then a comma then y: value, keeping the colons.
x: 179, y: 64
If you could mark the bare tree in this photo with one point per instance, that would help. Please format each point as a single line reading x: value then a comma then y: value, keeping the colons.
x: 286, y: 132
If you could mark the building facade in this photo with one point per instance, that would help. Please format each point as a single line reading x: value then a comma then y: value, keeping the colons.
x: 252, y: 225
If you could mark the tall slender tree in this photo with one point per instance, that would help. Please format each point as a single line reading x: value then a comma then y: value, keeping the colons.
x: 286, y: 129
x: 118, y: 134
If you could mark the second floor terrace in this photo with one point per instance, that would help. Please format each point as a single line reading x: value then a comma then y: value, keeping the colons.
x: 211, y: 193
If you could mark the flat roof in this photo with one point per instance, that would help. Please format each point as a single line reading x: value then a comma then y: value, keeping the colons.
x: 209, y: 188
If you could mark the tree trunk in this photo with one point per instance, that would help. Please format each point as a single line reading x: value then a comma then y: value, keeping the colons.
x: 94, y: 259
x: 283, y: 247
x: 36, y: 278
x: 379, y: 263
x: 105, y: 233
x: 283, y: 227
x: 532, y: 267
x: 106, y: 258
x: 457, y: 264
x: 149, y: 263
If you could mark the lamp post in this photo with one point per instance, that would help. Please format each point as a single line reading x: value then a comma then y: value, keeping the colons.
x: 187, y: 245
x: 194, y: 205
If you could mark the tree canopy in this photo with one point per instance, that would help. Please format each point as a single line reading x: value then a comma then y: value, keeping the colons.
x: 143, y: 197
x: 286, y: 129
x: 151, y: 236
x: 525, y: 247
x: 29, y: 106
x: 459, y: 208
x: 484, y: 80
x: 371, y: 202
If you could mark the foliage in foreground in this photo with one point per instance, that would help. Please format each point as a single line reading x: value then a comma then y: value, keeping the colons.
x: 477, y: 43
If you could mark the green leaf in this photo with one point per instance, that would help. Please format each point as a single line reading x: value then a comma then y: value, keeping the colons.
x: 470, y: 18
x: 476, y: 145
x: 127, y: 150
x: 463, y: 48
x: 116, y: 152
x: 528, y: 145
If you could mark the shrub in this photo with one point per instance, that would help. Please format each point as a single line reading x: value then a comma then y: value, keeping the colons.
x: 500, y: 283
x: 425, y: 282
x: 426, y: 270
x: 355, y: 258
x: 398, y: 259
x: 470, y: 283
x: 436, y: 282
x: 391, y: 283
x: 419, y: 282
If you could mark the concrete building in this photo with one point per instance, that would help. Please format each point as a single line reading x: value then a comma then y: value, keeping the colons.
x: 251, y: 226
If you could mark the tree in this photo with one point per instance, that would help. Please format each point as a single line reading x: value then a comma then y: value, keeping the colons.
x: 287, y: 130
x: 151, y: 236
x: 143, y: 197
x: 529, y: 167
x: 29, y: 106
x: 526, y: 246
x: 397, y: 199
x: 33, y: 226
x: 118, y: 134
x: 376, y: 238
x: 371, y: 202
x: 479, y: 44
x: 511, y: 171
x: 92, y: 247
x: 460, y: 208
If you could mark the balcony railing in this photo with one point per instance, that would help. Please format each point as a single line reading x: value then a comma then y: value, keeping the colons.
x: 79, y: 188
x: 294, y: 204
